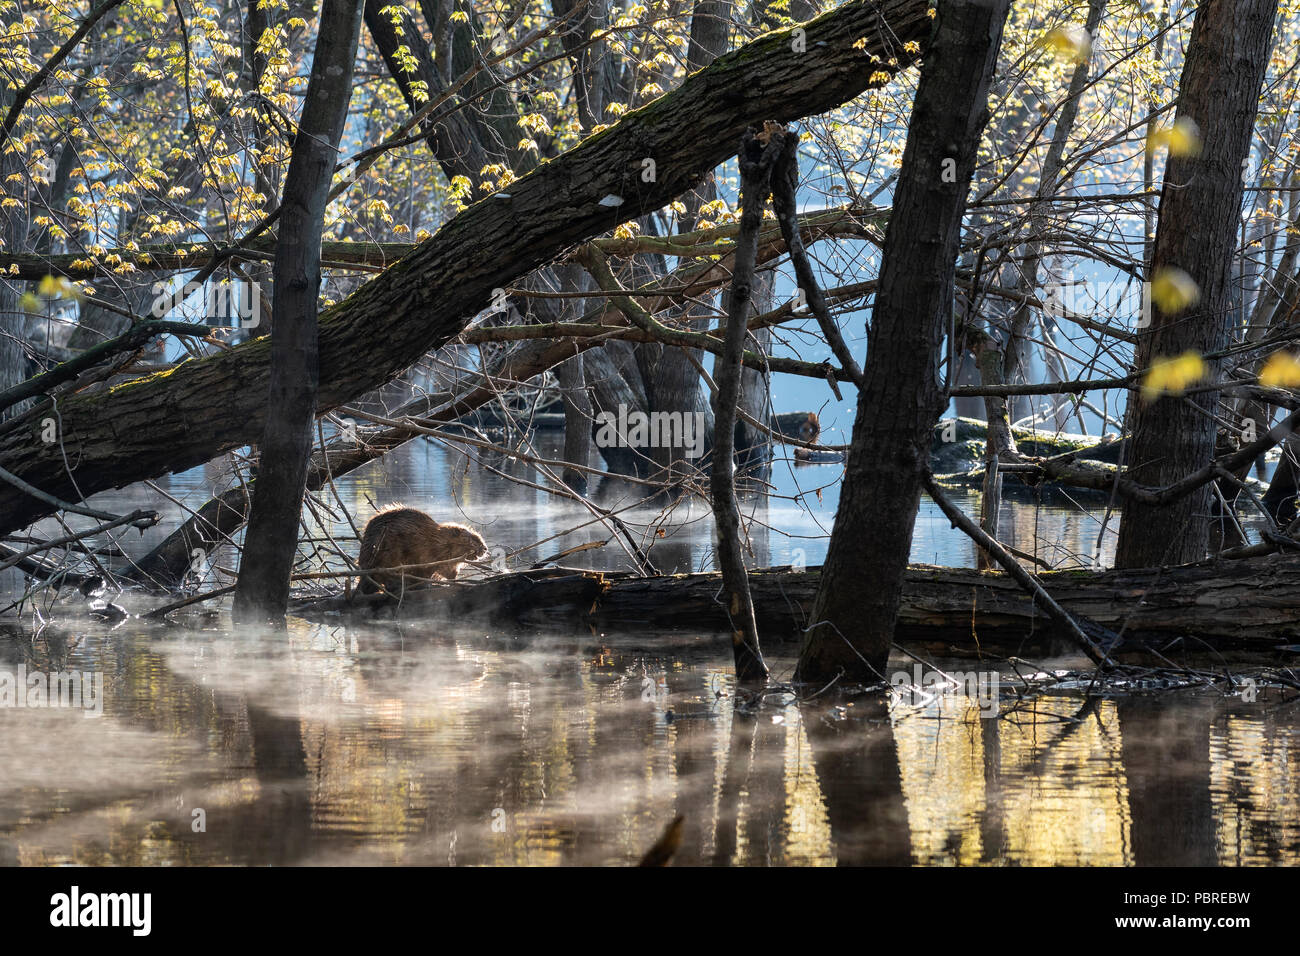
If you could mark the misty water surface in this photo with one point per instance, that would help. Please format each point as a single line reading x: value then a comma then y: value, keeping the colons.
x: 415, y: 744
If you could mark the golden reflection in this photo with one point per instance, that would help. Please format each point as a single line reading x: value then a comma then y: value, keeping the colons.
x: 940, y: 758
x: 1255, y: 789
x: 387, y: 745
x: 1080, y: 818
x: 809, y: 843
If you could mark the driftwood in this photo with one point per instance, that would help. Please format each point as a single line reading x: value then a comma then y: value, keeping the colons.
x: 1229, y: 605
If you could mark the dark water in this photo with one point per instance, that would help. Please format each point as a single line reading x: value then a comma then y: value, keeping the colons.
x: 404, y: 744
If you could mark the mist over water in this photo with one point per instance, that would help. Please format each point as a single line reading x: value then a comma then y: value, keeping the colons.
x: 397, y: 745
x: 412, y: 743
x: 796, y: 516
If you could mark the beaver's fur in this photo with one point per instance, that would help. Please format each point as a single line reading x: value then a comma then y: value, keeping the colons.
x: 399, y: 536
x: 810, y: 429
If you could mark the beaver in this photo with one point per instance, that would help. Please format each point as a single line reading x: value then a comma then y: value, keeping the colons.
x: 400, y: 536
x: 805, y: 426
x: 810, y: 429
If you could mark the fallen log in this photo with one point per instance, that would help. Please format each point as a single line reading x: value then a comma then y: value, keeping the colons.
x: 1229, y: 605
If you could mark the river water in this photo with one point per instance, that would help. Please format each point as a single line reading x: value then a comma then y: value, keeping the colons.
x: 405, y: 743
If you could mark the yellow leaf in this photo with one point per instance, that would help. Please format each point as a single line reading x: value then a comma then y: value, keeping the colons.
x: 1181, y: 139
x: 1173, y: 290
x: 48, y: 286
x: 1172, y: 376
x: 1070, y: 42
x: 1282, y: 370
x: 29, y: 302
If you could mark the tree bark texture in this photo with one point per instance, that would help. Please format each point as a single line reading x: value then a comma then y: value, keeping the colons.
x: 756, y: 159
x: 271, y: 541
x: 1200, y: 203
x: 1245, y: 605
x: 902, y: 397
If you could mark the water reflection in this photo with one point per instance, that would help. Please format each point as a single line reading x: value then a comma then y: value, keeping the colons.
x: 396, y: 745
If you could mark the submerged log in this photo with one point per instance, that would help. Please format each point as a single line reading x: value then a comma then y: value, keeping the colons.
x: 1227, y: 605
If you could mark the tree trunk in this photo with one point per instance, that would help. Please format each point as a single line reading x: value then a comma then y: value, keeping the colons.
x: 754, y: 446
x: 575, y: 397
x: 262, y: 591
x: 670, y: 374
x: 1227, y: 56
x: 672, y: 383
x: 901, y: 399
x: 614, y: 378
x: 999, y: 445
x: 755, y: 161
x: 595, y: 80
x: 577, y: 421
x: 1017, y: 345
x: 457, y: 139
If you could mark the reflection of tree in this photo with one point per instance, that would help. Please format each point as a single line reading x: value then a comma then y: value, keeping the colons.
x: 857, y: 767
x: 765, y: 817
x: 740, y: 754
x: 993, y: 830
x: 694, y: 766
x: 408, y: 761
x: 1166, y: 756
x: 280, y: 822
x: 1256, y: 775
